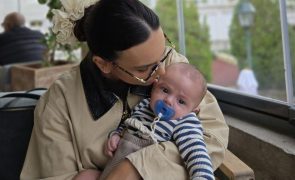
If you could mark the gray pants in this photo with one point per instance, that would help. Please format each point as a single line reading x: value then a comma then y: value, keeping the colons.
x: 127, y: 145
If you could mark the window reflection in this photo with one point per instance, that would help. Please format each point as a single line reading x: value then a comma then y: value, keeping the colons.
x: 217, y: 43
x: 34, y: 13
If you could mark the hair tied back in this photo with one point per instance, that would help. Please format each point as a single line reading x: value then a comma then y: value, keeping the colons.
x: 64, y: 19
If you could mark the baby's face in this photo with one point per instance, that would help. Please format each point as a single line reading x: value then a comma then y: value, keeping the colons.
x: 178, y: 92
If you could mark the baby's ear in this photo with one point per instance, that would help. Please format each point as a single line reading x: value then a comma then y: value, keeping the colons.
x: 197, y: 110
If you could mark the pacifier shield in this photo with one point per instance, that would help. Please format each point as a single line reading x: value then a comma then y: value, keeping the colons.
x: 163, y: 111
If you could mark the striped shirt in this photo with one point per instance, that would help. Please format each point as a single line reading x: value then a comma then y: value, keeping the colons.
x: 185, y: 132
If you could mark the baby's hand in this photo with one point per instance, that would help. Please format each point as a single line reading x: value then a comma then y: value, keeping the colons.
x: 112, y: 144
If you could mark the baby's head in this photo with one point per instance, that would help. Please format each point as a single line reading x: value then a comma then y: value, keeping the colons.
x: 182, y: 87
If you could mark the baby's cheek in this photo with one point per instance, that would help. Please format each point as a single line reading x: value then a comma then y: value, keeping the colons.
x: 180, y: 112
x: 177, y: 113
x: 152, y: 105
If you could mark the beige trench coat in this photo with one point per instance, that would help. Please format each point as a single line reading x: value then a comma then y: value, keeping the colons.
x: 66, y: 139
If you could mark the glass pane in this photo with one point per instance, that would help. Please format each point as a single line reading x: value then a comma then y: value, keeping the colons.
x: 214, y: 39
x: 291, y: 23
x: 34, y: 13
x: 167, y: 12
x: 249, y: 60
x: 259, y: 51
x: 7, y: 6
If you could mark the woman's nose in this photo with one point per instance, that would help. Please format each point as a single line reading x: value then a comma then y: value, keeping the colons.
x: 161, y: 69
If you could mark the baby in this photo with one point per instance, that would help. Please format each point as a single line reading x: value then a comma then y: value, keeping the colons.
x: 169, y: 115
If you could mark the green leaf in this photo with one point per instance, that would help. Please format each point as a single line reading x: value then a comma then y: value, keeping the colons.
x: 196, y: 35
x: 42, y: 1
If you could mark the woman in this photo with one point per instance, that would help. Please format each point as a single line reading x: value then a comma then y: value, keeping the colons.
x: 72, y: 120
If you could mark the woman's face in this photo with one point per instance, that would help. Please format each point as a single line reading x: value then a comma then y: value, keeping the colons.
x: 141, y: 59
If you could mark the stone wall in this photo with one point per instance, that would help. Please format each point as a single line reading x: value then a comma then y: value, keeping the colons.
x: 270, y: 154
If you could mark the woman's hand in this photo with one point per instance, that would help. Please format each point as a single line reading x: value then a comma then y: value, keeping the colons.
x: 111, y: 145
x: 124, y: 171
x: 88, y: 174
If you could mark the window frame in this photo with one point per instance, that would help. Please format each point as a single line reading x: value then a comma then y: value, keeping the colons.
x: 228, y: 98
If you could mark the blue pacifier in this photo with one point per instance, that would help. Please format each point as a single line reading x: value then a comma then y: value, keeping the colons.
x: 163, y: 111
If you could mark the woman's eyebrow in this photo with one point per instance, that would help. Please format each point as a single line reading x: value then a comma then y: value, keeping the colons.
x: 151, y: 64
x: 146, y: 65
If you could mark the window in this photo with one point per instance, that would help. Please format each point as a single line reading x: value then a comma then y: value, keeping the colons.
x: 246, y: 65
x: 211, y: 36
x: 35, y: 17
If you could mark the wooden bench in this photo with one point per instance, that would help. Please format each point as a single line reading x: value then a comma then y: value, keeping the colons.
x: 233, y: 168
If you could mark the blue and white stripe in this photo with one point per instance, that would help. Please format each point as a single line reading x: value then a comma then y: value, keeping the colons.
x: 186, y: 132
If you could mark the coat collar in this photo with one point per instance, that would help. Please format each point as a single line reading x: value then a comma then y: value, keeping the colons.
x: 101, y: 93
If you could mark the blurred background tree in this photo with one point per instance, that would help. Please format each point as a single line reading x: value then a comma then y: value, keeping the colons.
x: 196, y: 35
x: 267, y: 49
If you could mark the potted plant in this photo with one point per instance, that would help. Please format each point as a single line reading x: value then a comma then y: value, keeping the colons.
x: 57, y: 59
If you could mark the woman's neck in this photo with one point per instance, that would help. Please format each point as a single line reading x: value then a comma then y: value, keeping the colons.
x: 115, y: 85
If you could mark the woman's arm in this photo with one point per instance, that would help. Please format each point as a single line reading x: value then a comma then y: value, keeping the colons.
x: 88, y: 174
x: 124, y: 171
x: 162, y: 161
x: 51, y: 153
x: 215, y: 129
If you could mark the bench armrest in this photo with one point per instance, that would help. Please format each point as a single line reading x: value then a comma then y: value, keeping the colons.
x: 233, y: 168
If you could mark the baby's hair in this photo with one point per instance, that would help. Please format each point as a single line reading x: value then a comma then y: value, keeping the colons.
x: 193, y: 73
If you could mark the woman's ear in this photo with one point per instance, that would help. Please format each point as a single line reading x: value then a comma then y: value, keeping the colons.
x: 156, y: 81
x: 103, y: 65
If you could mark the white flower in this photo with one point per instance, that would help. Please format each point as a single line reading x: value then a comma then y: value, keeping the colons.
x: 75, y: 8
x: 59, y: 17
x: 63, y: 27
x: 66, y: 37
x: 64, y: 19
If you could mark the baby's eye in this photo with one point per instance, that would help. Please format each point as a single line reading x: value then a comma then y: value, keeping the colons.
x: 180, y: 101
x: 165, y: 90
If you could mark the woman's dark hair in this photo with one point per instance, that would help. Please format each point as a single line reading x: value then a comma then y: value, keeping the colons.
x: 111, y: 26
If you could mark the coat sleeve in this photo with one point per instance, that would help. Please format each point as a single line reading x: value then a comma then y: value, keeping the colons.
x: 215, y: 129
x: 165, y: 155
x: 51, y: 152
